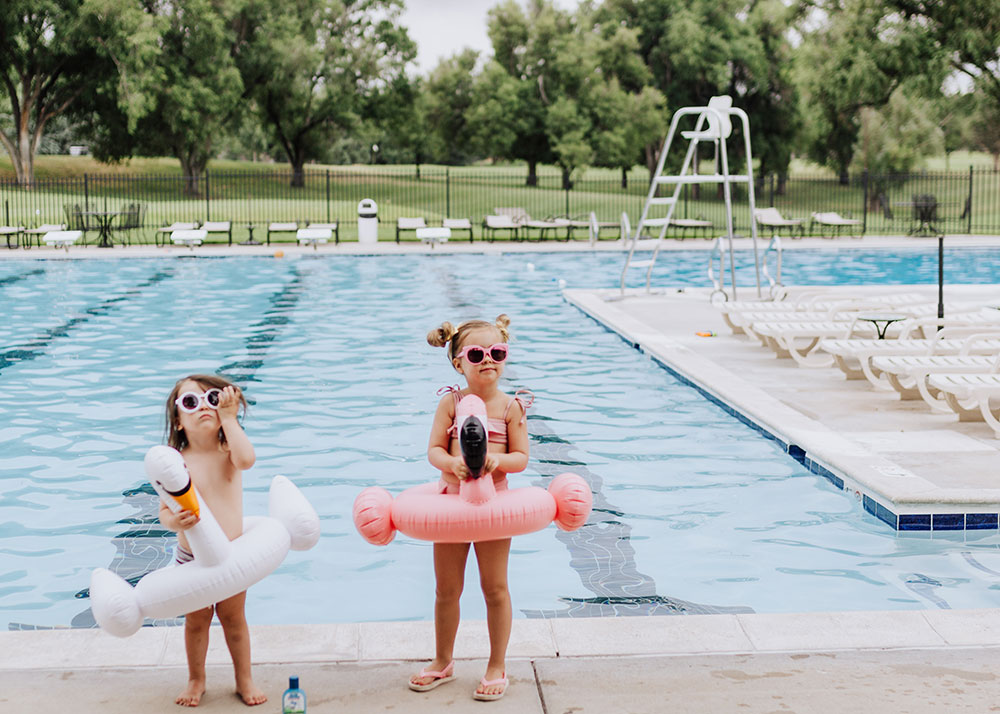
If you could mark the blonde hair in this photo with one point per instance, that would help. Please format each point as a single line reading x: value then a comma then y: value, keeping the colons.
x: 176, y: 437
x: 447, y: 335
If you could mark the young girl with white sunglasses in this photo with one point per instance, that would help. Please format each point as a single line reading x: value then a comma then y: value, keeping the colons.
x: 478, y: 351
x: 202, y: 424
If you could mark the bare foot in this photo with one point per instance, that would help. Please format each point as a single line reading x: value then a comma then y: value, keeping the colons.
x: 191, y: 696
x: 251, y: 694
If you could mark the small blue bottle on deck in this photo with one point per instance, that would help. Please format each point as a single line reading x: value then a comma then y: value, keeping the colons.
x: 293, y: 701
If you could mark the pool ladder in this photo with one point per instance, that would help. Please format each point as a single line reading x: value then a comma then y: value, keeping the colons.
x: 719, y: 280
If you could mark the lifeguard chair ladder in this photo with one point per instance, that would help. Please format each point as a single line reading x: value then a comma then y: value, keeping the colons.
x: 713, y: 125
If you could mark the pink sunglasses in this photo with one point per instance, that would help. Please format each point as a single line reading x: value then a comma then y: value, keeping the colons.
x: 476, y: 354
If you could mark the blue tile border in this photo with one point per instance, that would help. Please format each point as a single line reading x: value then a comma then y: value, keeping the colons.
x: 898, y: 522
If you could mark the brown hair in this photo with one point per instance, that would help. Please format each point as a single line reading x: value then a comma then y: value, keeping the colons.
x: 175, y: 436
x: 448, y: 335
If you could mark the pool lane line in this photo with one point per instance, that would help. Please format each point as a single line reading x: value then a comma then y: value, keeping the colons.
x: 38, y: 346
x: 11, y: 279
x: 147, y: 546
x: 601, y: 551
x: 272, y: 322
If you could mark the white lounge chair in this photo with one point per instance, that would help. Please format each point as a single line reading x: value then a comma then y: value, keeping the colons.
x: 854, y: 356
x: 62, y: 239
x: 189, y: 238
x: 523, y: 220
x: 493, y: 223
x: 409, y: 223
x: 313, y: 236
x: 969, y: 396
x: 219, y: 227
x: 783, y: 336
x: 281, y: 227
x: 42, y: 230
x: 815, y: 301
x: 433, y: 235
x: 459, y: 224
x: 907, y: 374
x: 771, y: 218
x: 8, y: 231
x: 333, y: 227
x: 175, y: 226
x: 831, y: 219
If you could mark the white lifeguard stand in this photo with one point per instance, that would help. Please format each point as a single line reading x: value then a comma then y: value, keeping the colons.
x: 714, y: 125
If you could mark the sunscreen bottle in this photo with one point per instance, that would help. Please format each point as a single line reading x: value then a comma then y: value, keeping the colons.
x: 293, y: 701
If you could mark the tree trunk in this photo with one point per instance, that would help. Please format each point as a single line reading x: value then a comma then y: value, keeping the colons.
x: 567, y: 185
x: 532, y: 174
x: 298, y: 173
x: 845, y: 177
x: 624, y: 177
x: 192, y: 167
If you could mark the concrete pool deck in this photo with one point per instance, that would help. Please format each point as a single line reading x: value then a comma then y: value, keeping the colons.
x: 909, y: 661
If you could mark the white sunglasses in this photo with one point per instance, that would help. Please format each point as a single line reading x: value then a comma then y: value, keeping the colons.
x: 190, y: 402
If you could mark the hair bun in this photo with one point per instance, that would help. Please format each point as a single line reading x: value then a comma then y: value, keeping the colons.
x: 440, y: 336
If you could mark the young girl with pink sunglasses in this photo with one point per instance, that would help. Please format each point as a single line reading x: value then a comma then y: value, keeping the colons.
x: 202, y: 425
x: 478, y: 351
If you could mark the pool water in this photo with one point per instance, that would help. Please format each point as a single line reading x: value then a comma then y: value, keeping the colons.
x: 694, y: 511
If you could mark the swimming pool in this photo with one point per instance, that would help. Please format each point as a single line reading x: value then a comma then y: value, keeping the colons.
x: 694, y: 511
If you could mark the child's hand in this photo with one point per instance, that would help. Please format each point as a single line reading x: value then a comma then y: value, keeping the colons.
x: 491, y: 463
x: 459, y: 468
x: 229, y: 403
x: 185, y: 519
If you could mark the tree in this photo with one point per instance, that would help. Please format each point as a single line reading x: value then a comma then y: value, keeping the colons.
x: 448, y: 96
x: 52, y: 53
x: 969, y: 32
x: 316, y: 67
x: 856, y: 59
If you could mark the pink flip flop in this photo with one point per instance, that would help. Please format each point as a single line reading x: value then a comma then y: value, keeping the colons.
x: 445, y: 675
x: 480, y: 696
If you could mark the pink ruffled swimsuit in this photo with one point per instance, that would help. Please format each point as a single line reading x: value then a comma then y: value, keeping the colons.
x: 497, y: 427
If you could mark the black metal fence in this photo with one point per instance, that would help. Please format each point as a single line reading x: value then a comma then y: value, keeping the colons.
x: 960, y: 202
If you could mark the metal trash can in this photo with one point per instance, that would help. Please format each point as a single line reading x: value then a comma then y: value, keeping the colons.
x: 367, y: 221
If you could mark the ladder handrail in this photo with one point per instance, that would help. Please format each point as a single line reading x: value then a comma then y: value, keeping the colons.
x: 773, y: 247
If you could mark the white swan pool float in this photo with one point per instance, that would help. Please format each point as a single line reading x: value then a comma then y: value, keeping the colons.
x: 221, y: 568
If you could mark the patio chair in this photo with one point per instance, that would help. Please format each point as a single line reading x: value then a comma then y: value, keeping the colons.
x: 458, y: 224
x: 832, y: 219
x: 854, y: 357
x: 582, y: 222
x: 521, y: 217
x: 62, y: 239
x: 189, y: 237
x: 411, y: 223
x: 133, y: 218
x: 783, y: 336
x: 15, y: 231
x: 41, y: 231
x: 313, y: 236
x: 692, y: 224
x: 494, y: 223
x: 281, y: 227
x: 219, y: 227
x: 907, y: 374
x: 969, y: 396
x: 167, y: 231
x: 772, y: 218
x: 332, y: 227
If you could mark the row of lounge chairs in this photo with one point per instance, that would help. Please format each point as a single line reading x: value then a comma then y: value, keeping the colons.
x: 952, y: 363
